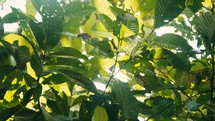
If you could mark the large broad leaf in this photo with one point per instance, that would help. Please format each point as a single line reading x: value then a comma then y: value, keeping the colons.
x: 129, y: 20
x: 78, y: 9
x: 163, y: 107
x: 172, y: 41
x: 194, y: 5
x: 78, y: 79
x: 206, y: 27
x: 126, y: 100
x: 52, y: 16
x: 167, y: 10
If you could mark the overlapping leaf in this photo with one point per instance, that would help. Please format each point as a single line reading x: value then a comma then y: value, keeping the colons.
x: 206, y: 27
x: 167, y: 10
x: 172, y: 41
x: 126, y: 100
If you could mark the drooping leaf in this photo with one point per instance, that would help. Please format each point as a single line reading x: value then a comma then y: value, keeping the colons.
x: 78, y: 9
x: 172, y: 41
x: 126, y: 100
x: 206, y: 27
x: 167, y: 10
x: 100, y: 114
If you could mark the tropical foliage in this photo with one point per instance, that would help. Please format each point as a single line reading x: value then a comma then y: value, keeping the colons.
x: 102, y: 60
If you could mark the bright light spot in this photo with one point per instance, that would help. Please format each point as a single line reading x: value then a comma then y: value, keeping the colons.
x: 20, y: 4
x: 100, y: 86
x: 163, y: 30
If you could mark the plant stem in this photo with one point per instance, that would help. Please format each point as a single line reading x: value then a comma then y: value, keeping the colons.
x: 212, y: 80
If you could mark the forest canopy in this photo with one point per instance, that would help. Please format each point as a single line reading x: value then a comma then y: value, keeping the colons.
x: 106, y: 60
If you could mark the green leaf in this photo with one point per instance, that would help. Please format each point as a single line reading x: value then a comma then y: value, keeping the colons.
x: 2, y: 92
x: 167, y: 10
x: 1, y: 27
x: 106, y: 21
x: 79, y: 99
x: 27, y: 96
x: 78, y: 79
x: 86, y: 111
x: 67, y: 52
x: 163, y: 107
x: 194, y: 5
x: 192, y: 106
x: 30, y: 10
x: 15, y: 16
x: 26, y: 114
x: 142, y: 6
x: 206, y: 27
x: 130, y: 21
x: 126, y: 100
x: 100, y: 114
x: 203, y: 99
x: 36, y: 64
x: 52, y: 16
x: 55, y: 79
x: 54, y: 106
x: 117, y: 11
x: 38, y: 33
x: 172, y: 41
x: 5, y: 70
x: 37, y: 92
x: 77, y: 9
x: 7, y: 113
x: 100, y: 47
x: 60, y: 104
